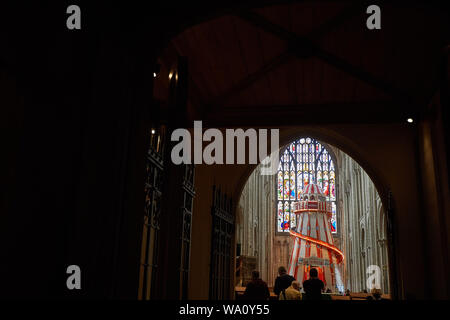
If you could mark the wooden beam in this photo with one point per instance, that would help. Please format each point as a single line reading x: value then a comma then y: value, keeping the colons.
x: 281, y: 59
x: 304, y: 47
x: 243, y: 84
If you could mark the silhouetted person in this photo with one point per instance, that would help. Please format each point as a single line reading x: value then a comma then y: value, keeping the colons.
x: 347, y: 292
x: 313, y: 287
x: 328, y: 290
x: 256, y: 289
x: 283, y: 281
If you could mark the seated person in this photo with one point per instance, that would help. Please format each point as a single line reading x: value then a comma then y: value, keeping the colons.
x: 292, y: 292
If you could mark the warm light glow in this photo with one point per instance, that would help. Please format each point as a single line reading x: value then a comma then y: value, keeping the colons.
x: 170, y: 75
x: 410, y: 120
x: 154, y: 74
x: 153, y: 131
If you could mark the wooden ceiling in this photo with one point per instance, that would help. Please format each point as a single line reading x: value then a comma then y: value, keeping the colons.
x: 314, y: 61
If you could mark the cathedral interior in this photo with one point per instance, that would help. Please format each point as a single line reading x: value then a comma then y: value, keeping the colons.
x: 362, y: 236
x: 87, y: 118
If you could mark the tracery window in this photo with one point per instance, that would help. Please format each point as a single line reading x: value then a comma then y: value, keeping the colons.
x: 304, y: 161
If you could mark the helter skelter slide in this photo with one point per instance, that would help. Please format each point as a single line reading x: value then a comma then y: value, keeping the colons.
x: 313, y: 243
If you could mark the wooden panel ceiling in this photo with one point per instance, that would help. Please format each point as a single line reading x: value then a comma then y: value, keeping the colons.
x: 237, y: 62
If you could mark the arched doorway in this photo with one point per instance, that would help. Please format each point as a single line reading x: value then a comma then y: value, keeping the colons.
x: 357, y: 226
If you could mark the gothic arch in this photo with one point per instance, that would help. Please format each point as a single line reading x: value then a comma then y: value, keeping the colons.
x: 333, y: 138
x: 330, y: 139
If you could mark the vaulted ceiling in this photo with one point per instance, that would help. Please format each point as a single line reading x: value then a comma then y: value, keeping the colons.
x: 311, y: 62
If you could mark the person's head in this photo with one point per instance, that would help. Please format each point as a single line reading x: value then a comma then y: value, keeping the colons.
x: 313, y: 273
x: 295, y: 285
x: 281, y: 270
x: 255, y: 275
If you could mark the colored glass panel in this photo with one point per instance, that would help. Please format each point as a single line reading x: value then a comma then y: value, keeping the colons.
x: 303, y: 161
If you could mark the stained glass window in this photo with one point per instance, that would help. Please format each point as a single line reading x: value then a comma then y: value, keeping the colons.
x: 304, y: 161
